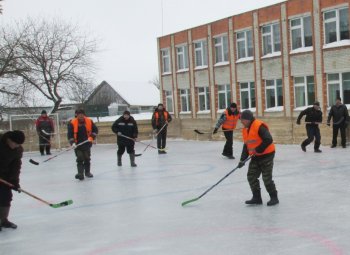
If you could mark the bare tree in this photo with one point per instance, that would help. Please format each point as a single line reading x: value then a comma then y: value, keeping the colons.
x: 55, y: 56
x: 79, y: 90
x: 155, y: 81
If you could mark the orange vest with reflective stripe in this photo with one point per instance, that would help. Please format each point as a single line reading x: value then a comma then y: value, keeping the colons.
x: 156, y: 114
x: 231, y: 121
x: 253, y: 140
x: 88, y: 127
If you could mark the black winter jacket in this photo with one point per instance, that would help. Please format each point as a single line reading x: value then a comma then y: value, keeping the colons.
x: 339, y: 114
x: 312, y: 115
x: 10, y: 161
x: 127, y: 128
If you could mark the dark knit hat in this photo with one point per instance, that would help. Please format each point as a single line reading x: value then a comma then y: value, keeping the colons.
x: 43, y: 112
x: 233, y: 105
x: 317, y: 103
x: 247, y: 115
x: 338, y: 98
x: 126, y: 112
x: 160, y: 104
x: 16, y: 136
x: 80, y: 111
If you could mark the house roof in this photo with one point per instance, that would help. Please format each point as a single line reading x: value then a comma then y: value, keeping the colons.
x: 137, y: 93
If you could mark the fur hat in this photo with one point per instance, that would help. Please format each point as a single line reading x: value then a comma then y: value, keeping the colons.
x: 317, y: 103
x: 43, y: 112
x: 247, y: 115
x: 126, y: 112
x: 80, y: 111
x: 16, y: 136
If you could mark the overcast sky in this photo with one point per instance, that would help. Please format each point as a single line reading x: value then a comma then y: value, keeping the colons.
x: 128, y: 29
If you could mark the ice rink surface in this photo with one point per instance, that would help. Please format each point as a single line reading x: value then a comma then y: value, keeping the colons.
x: 124, y: 210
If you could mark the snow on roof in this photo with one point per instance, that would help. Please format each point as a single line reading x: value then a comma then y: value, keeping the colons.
x: 137, y: 93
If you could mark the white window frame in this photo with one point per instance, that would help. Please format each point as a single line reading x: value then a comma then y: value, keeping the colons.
x: 274, y: 87
x: 341, y: 89
x: 227, y: 93
x: 182, y: 57
x: 185, y: 94
x: 169, y: 98
x: 336, y: 19
x: 206, y: 95
x: 249, y: 90
x: 246, y: 43
x: 302, y: 31
x: 203, y: 51
x: 165, y: 59
x: 304, y: 84
x: 272, y: 38
x: 219, y: 47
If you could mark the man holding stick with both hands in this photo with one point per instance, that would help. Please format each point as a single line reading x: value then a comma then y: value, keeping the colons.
x: 259, y: 145
x: 160, y: 120
x: 81, y: 129
x: 11, y: 153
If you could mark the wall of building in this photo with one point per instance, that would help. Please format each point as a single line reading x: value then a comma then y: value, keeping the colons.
x: 317, y: 61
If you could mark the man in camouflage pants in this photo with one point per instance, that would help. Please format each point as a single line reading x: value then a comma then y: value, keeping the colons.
x: 259, y: 145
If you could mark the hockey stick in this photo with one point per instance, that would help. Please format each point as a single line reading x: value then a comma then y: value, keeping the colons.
x: 323, y: 123
x: 210, y: 132
x: 54, y: 156
x: 148, y: 145
x: 46, y: 133
x: 64, y: 203
x: 127, y: 137
x: 223, y: 178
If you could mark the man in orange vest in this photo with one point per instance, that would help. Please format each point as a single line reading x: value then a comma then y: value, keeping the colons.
x: 228, y: 120
x: 259, y: 145
x: 160, y: 120
x: 81, y: 129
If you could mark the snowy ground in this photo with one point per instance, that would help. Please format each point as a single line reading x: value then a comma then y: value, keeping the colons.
x: 125, y: 210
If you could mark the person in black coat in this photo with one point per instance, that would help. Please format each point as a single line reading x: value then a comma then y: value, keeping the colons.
x: 11, y: 153
x: 126, y: 129
x: 45, y: 129
x: 312, y: 119
x: 340, y: 116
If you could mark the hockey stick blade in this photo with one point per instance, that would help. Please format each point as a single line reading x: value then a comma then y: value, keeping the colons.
x: 33, y: 162
x: 198, y: 132
x: 138, y: 155
x: 62, y: 204
x: 189, y: 201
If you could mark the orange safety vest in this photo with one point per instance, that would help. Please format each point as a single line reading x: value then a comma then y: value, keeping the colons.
x: 253, y: 140
x: 88, y: 126
x: 156, y: 114
x: 231, y: 121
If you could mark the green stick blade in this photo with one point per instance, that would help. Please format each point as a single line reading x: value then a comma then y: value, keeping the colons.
x: 189, y: 201
x: 65, y: 203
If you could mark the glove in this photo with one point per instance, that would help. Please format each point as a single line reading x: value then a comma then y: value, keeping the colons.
x: 16, y: 188
x: 155, y: 131
x: 241, y: 164
x: 328, y: 124
x: 119, y: 133
x: 298, y: 122
x: 71, y: 141
x: 74, y: 145
x: 215, y: 131
x: 91, y: 139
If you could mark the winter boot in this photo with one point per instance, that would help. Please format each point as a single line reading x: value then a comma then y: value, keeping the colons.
x: 48, y: 148
x: 256, y: 199
x: 119, y: 160
x: 80, y: 174
x: 5, y: 223
x: 274, y: 198
x: 88, y: 174
x: 132, y: 159
x: 41, y: 148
